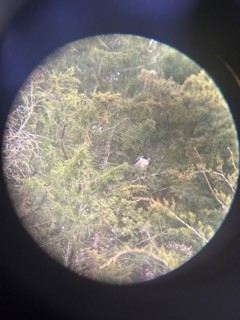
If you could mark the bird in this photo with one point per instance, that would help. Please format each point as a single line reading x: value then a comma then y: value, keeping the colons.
x: 142, y: 163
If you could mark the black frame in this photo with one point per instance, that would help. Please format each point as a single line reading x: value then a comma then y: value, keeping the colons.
x: 36, y: 287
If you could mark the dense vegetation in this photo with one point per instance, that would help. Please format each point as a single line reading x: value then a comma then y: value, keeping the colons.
x: 74, y: 134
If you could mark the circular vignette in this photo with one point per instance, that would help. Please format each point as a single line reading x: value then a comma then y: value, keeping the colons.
x: 211, y: 262
x: 72, y: 137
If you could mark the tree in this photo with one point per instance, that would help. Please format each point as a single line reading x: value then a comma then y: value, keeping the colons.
x: 71, y: 141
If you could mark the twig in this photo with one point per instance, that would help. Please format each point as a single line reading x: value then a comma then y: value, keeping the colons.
x: 187, y: 225
x: 217, y: 174
x: 233, y: 162
x: 209, y: 184
x: 129, y: 251
x: 172, y: 213
x: 62, y: 143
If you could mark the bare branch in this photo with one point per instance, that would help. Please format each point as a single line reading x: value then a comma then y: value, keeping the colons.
x: 62, y: 142
x: 21, y: 146
x: 232, y: 159
x: 209, y: 184
x: 219, y: 174
x: 173, y: 214
x: 117, y: 255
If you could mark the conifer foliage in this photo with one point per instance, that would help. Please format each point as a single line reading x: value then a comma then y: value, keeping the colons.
x: 74, y: 133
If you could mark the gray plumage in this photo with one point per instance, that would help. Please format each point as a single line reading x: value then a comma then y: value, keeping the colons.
x: 142, y: 163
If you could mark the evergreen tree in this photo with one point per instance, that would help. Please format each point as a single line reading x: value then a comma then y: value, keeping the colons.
x: 74, y: 134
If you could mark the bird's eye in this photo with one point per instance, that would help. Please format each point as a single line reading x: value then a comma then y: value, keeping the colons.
x: 69, y: 160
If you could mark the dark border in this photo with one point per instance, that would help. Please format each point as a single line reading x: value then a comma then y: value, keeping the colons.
x: 36, y: 287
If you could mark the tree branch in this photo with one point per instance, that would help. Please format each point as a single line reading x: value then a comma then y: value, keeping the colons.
x: 62, y: 143
x: 232, y: 158
x: 220, y: 174
x: 129, y: 251
x: 173, y: 214
x: 209, y: 184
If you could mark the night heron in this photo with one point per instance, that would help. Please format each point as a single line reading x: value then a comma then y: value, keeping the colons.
x: 142, y: 163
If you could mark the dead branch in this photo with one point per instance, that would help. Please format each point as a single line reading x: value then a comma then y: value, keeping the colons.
x: 232, y: 159
x: 21, y: 146
x: 62, y: 142
x: 209, y: 184
x: 218, y: 174
x: 113, y: 259
x: 173, y: 214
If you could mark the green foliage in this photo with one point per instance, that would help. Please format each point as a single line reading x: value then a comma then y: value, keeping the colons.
x: 178, y: 66
x: 92, y: 109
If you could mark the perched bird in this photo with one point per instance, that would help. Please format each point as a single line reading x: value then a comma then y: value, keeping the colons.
x: 142, y: 163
